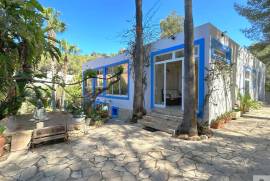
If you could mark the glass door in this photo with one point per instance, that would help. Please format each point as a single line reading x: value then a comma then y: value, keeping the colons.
x: 160, y: 85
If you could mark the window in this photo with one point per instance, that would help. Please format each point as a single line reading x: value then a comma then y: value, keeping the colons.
x: 179, y: 54
x: 163, y: 57
x: 121, y: 87
x: 99, y: 80
x: 88, y: 85
x: 219, y: 55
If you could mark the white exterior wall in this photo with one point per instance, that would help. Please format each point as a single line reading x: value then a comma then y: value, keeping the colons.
x: 226, y: 97
x: 247, y: 62
x: 221, y: 100
x: 99, y: 63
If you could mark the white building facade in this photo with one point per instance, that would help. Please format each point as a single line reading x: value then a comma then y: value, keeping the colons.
x: 165, y: 76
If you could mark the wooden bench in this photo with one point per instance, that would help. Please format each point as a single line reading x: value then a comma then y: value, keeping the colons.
x: 48, y: 134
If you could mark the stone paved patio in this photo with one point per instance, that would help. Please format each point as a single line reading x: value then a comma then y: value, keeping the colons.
x: 127, y: 152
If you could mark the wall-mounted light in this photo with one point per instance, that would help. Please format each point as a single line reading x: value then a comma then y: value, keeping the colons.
x: 172, y: 37
x: 223, y: 33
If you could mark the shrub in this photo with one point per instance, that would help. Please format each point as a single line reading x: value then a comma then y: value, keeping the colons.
x: 99, y: 123
x: 246, y: 103
x: 2, y: 129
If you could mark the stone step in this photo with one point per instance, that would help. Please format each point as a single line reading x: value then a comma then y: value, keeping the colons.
x: 153, y: 124
x: 165, y: 116
x: 166, y: 125
x: 171, y: 112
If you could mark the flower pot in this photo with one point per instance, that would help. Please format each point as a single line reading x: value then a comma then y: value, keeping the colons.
x: 79, y: 119
x: 236, y: 115
x: 217, y: 124
x: 2, y: 144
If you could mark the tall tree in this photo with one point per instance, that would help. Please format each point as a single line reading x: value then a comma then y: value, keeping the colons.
x: 67, y: 50
x: 171, y: 25
x: 138, y: 108
x: 23, y: 42
x: 257, y: 13
x: 54, y: 25
x: 189, y: 123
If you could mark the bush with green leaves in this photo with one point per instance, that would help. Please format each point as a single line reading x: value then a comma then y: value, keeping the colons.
x: 2, y: 129
x: 246, y: 103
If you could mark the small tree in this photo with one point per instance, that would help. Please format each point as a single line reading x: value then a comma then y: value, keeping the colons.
x: 53, y: 25
x: 67, y: 50
x: 171, y: 25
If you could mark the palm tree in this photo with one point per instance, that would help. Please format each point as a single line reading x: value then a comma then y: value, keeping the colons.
x: 54, y: 25
x: 138, y: 109
x: 67, y: 50
x: 189, y: 124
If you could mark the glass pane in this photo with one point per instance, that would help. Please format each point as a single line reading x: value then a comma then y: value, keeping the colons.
x: 196, y: 50
x: 124, y: 81
x: 159, y: 84
x: 173, y: 83
x: 179, y: 54
x: 164, y: 57
x: 247, y: 75
x: 247, y: 87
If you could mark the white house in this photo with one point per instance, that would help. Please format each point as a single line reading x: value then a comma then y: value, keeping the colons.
x: 164, y: 86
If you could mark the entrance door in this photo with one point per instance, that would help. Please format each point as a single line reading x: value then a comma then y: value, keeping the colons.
x: 160, y: 84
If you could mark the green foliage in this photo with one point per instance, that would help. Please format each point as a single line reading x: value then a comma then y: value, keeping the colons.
x: 23, y: 42
x: 2, y: 129
x: 257, y: 13
x: 171, y: 25
x: 246, y: 103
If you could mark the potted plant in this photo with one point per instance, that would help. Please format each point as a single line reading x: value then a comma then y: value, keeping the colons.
x: 218, y: 123
x: 2, y: 140
x: 236, y: 113
x: 78, y: 114
x: 227, y: 117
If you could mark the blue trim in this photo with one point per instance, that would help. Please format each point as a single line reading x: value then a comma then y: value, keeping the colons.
x: 201, y: 90
x: 105, y: 69
x: 201, y: 86
x: 217, y: 45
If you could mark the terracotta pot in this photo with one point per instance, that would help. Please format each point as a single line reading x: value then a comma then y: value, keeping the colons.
x: 217, y: 125
x: 2, y: 144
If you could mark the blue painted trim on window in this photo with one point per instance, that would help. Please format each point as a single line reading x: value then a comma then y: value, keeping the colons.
x: 105, y: 69
x: 216, y: 44
x: 201, y: 90
x: 201, y: 86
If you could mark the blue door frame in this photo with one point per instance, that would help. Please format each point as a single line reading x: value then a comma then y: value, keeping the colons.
x: 201, y: 83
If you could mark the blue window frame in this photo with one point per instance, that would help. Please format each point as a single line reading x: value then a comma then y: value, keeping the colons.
x: 105, y: 73
x: 220, y: 52
x: 201, y: 69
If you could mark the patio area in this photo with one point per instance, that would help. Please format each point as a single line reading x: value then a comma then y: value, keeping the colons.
x: 127, y: 152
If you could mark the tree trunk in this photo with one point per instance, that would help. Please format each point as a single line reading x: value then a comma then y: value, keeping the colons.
x: 138, y: 65
x: 52, y: 34
x: 64, y: 79
x: 189, y: 124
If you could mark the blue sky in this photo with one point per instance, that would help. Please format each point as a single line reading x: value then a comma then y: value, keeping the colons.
x: 95, y: 25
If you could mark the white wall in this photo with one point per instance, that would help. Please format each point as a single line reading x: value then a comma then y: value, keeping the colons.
x: 101, y: 62
x: 223, y: 99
